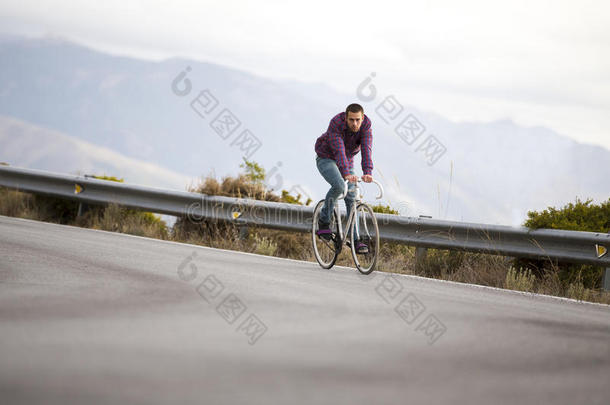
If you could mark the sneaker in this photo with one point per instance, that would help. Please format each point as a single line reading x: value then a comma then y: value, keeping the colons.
x: 324, y: 231
x: 361, y: 248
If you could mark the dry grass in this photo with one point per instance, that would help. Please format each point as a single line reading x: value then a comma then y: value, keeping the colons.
x: 240, y: 187
x: 520, y: 280
x: 116, y: 219
x: 111, y: 218
x: 17, y: 204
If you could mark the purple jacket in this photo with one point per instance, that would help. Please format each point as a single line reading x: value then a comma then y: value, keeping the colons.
x: 341, y: 144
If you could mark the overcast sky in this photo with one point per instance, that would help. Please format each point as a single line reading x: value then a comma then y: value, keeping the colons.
x: 535, y: 62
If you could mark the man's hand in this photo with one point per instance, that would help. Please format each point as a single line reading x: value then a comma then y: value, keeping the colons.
x: 352, y: 178
x: 367, y: 178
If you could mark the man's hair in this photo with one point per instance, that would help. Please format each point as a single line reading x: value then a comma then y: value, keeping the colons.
x: 355, y: 108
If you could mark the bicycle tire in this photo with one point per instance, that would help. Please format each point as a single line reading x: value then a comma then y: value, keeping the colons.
x: 326, y: 252
x: 368, y: 230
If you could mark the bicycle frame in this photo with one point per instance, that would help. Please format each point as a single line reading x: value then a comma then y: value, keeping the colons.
x: 352, y: 215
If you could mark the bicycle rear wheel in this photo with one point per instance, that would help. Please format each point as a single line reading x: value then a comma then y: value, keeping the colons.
x: 326, y: 251
x: 369, y: 235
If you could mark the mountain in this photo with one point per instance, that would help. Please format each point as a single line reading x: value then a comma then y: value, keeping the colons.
x: 491, y: 172
x: 27, y: 145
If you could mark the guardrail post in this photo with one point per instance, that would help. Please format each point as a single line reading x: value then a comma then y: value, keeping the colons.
x: 606, y: 279
x: 82, y: 208
x: 421, y: 252
x: 243, y: 232
x: 420, y: 255
x: 606, y: 272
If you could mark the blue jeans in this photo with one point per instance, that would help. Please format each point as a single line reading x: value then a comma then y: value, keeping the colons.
x: 329, y: 170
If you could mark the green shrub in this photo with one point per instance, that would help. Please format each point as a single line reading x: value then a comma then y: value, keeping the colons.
x: 577, y: 216
x: 253, y: 171
x: 288, y: 198
x: 384, y: 209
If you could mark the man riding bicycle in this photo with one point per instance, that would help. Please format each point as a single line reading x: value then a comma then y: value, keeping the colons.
x: 348, y: 133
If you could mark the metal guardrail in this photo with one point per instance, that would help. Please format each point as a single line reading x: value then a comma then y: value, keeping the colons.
x: 568, y: 246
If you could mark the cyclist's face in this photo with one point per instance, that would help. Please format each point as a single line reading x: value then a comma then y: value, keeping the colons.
x: 354, y: 120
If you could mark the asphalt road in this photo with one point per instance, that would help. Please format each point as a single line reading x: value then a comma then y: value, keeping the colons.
x: 95, y: 317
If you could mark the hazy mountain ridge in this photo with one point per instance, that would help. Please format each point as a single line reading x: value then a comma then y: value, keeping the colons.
x: 500, y: 170
x: 30, y: 146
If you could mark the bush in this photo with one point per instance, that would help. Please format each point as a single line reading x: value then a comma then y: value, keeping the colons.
x: 577, y: 216
x: 287, y: 198
x: 384, y: 209
x: 253, y: 171
x: 248, y: 184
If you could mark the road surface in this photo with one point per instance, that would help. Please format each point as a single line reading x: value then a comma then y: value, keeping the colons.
x: 92, y: 317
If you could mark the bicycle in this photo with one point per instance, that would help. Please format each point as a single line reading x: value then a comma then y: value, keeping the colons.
x: 327, y: 250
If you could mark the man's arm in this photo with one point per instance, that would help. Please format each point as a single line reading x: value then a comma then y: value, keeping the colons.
x: 366, y: 148
x: 336, y: 144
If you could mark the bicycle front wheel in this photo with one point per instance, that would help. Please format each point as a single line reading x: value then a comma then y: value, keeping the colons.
x: 325, y: 250
x: 368, y: 231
